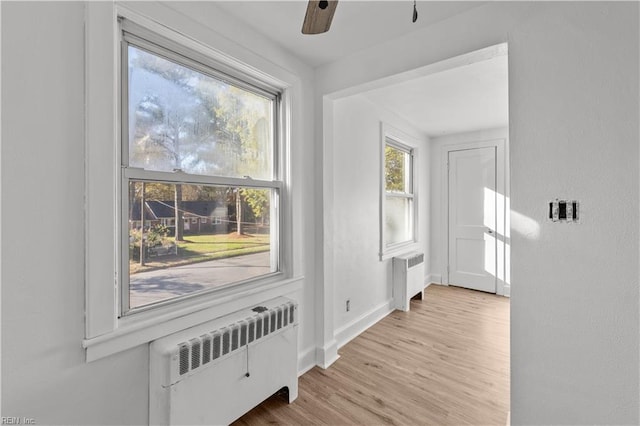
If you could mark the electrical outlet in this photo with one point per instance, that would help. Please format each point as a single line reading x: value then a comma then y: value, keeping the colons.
x: 348, y: 305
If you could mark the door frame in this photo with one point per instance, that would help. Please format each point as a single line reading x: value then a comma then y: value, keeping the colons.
x: 501, y: 143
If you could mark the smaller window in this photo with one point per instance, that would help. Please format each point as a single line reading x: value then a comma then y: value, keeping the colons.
x: 398, y: 196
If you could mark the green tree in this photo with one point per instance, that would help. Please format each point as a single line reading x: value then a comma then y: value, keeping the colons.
x: 258, y: 201
x: 169, y: 119
x: 159, y: 191
x: 394, y: 167
x: 182, y: 119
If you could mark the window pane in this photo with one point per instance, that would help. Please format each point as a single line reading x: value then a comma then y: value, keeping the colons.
x: 182, y: 119
x: 397, y: 170
x: 398, y: 220
x: 214, y: 236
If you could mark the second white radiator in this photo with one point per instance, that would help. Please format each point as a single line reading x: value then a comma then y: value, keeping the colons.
x: 408, y: 279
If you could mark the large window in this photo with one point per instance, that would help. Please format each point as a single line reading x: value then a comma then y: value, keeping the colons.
x: 200, y: 183
x: 398, y: 196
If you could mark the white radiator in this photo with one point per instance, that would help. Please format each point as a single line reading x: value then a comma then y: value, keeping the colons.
x: 408, y: 279
x: 215, y: 372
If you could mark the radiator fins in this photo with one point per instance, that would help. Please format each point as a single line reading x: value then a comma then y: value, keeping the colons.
x: 415, y: 260
x: 208, y: 347
x: 184, y: 358
x: 195, y: 353
x: 217, y: 346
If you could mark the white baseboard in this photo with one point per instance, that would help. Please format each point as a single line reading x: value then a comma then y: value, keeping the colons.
x: 434, y: 279
x: 507, y: 291
x: 327, y: 355
x: 306, y: 360
x: 350, y: 331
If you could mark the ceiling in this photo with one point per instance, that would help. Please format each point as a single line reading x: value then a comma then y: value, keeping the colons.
x: 356, y: 24
x: 466, y: 98
x: 462, y: 99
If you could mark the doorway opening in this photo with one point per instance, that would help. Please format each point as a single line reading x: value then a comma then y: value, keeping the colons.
x: 460, y: 107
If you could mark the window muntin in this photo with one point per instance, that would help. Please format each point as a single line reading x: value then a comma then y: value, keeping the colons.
x: 398, y: 196
x: 190, y: 131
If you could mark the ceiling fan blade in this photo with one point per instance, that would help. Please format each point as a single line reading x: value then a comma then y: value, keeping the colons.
x: 318, y: 18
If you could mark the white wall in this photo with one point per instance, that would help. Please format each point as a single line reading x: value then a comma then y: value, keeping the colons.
x: 439, y: 226
x: 44, y: 374
x: 573, y: 132
x: 359, y: 275
x: 573, y: 90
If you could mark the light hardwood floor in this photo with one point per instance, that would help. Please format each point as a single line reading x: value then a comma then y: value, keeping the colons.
x: 446, y: 362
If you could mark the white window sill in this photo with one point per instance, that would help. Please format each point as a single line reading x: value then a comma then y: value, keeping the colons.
x: 400, y: 250
x: 131, y: 331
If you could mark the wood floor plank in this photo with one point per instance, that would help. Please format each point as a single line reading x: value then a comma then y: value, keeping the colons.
x: 445, y: 362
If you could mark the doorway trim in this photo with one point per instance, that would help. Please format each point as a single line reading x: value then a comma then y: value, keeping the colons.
x: 499, y: 139
x: 331, y: 91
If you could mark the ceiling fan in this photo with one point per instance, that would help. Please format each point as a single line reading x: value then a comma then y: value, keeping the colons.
x: 319, y: 14
x: 318, y: 18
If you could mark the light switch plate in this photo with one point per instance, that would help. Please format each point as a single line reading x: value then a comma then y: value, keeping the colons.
x: 564, y: 210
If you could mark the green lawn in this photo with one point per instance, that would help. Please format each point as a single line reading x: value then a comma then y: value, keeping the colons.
x: 194, y: 245
x: 200, y: 248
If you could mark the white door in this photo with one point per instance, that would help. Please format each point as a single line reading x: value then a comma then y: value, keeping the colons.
x: 472, y: 218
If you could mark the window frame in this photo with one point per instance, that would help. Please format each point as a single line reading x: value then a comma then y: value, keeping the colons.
x: 106, y: 332
x: 132, y: 34
x: 399, y: 140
